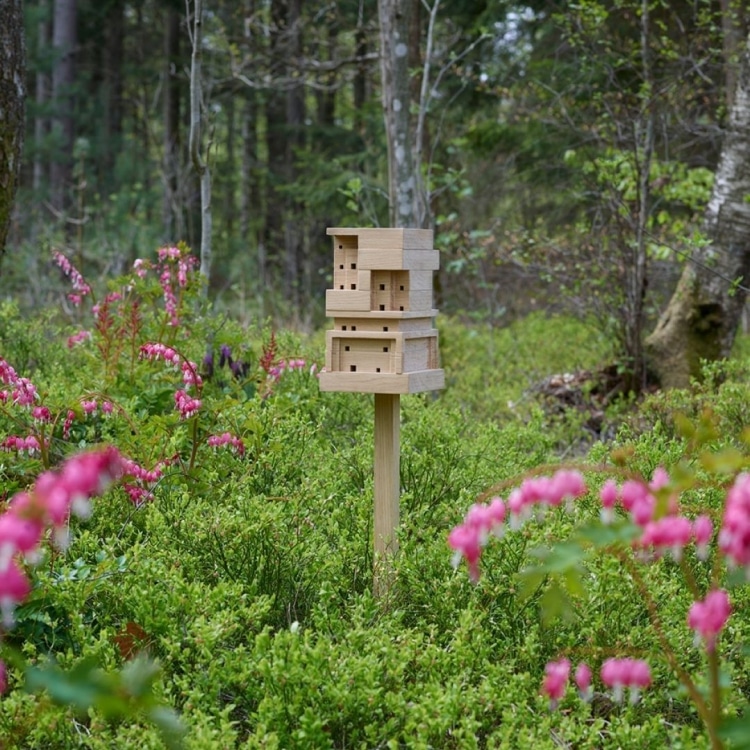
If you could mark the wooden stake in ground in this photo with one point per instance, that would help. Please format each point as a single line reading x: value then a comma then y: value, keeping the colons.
x: 387, y: 484
x: 383, y: 342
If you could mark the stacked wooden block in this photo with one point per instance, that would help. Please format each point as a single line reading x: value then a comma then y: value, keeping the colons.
x: 383, y: 339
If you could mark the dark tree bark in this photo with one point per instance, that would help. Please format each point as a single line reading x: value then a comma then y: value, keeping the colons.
x: 12, y: 107
x: 703, y: 316
x: 114, y: 37
x: 172, y: 214
x: 41, y: 93
x: 359, y: 83
x: 295, y: 117
x: 64, y: 40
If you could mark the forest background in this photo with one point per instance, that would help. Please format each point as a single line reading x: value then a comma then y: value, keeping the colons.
x: 571, y: 158
x: 563, y: 152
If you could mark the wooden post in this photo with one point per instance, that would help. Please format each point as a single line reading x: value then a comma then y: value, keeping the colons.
x: 384, y: 342
x: 387, y: 485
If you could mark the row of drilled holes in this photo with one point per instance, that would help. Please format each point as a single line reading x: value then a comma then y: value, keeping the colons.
x: 354, y: 328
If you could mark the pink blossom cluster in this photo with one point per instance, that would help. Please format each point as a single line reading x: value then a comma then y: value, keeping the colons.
x: 186, y: 405
x: 190, y: 374
x: 168, y: 253
x: 78, y: 338
x: 80, y: 287
x: 54, y: 496
x: 157, y: 351
x: 470, y: 537
x: 140, y: 491
x: 170, y: 300
x: 24, y: 391
x: 536, y: 493
x: 169, y: 257
x: 7, y: 373
x: 556, y: 675
x: 290, y: 365
x: 734, y: 536
x: 227, y: 439
x: 90, y: 406
x: 616, y: 675
x: 669, y: 532
x: 134, y: 469
x: 41, y: 414
x: 69, y: 417
x: 29, y: 444
x: 708, y: 617
x: 622, y: 674
x: 141, y: 266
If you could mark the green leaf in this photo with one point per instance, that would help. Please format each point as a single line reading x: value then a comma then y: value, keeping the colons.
x: 736, y: 731
x: 79, y: 688
x: 138, y: 676
x: 600, y: 535
x: 556, y: 605
x: 561, y: 558
x: 727, y: 461
x: 168, y: 722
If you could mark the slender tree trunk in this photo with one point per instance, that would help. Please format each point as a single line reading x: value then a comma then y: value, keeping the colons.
x: 274, y: 174
x: 704, y: 313
x: 395, y: 26
x: 248, y: 163
x: 172, y: 213
x: 359, y: 83
x: 295, y: 117
x: 41, y: 95
x: 731, y: 37
x: 251, y: 198
x: 64, y: 40
x: 12, y: 108
x: 200, y: 162
x: 113, y: 89
x: 230, y: 183
x: 635, y: 292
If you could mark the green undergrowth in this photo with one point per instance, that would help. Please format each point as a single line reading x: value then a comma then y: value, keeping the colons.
x: 249, y: 577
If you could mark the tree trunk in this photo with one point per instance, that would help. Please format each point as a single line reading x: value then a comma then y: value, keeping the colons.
x: 295, y: 118
x: 41, y: 94
x: 731, y: 39
x: 704, y: 313
x: 64, y: 40
x: 395, y: 27
x: 12, y: 109
x: 174, y: 227
x: 114, y: 51
x: 199, y: 159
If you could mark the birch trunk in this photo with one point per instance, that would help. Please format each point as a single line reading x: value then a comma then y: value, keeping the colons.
x: 403, y: 194
x: 704, y: 313
x: 12, y: 110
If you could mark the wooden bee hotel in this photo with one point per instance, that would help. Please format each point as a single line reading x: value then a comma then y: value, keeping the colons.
x: 383, y: 342
x: 383, y: 339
